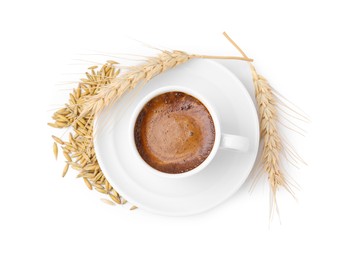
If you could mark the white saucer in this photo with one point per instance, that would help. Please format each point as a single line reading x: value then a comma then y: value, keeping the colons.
x: 200, y: 192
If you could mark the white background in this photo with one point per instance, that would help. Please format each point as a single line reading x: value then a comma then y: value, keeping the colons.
x: 306, y: 49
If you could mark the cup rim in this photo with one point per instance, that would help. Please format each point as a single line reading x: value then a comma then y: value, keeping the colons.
x: 155, y: 93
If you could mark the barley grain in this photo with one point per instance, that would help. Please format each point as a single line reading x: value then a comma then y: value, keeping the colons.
x: 101, y: 190
x: 66, y: 155
x: 65, y: 170
x: 55, y: 149
x: 115, y: 198
x: 88, y: 184
x: 108, y: 202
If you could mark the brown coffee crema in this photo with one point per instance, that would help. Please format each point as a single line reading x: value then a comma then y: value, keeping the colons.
x: 174, y: 132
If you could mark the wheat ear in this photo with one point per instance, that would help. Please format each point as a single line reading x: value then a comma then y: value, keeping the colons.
x: 273, y: 144
x: 141, y: 74
x: 269, y: 132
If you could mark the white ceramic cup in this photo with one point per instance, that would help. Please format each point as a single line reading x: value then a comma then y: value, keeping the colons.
x: 222, y: 140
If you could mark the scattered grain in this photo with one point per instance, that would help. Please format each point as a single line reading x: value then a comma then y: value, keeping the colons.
x: 55, y: 149
x: 108, y: 202
x: 65, y: 170
x: 88, y: 184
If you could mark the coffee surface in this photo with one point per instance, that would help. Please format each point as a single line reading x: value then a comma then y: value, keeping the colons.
x: 174, y: 132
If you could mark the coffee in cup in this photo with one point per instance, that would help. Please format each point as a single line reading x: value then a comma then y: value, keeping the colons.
x: 174, y: 132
